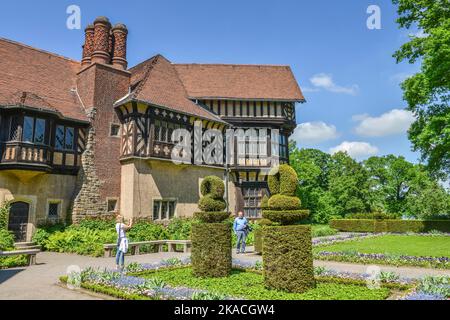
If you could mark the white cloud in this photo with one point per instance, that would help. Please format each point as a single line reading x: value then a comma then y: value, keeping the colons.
x: 314, y: 132
x: 308, y: 89
x: 356, y: 149
x: 325, y: 81
x: 400, y: 77
x: 393, y: 122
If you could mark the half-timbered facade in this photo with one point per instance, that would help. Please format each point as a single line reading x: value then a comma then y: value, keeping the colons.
x: 92, y: 138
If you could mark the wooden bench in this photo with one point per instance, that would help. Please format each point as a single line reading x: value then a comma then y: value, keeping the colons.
x: 30, y: 253
x: 134, y: 247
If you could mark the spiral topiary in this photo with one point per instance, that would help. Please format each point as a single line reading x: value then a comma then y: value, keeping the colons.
x: 212, y: 203
x: 211, y: 237
x: 287, y: 249
x: 282, y: 183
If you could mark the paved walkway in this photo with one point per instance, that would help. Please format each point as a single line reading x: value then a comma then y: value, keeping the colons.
x: 41, y: 281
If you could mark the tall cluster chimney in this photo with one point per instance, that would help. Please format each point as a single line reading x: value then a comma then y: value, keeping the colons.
x: 105, y: 44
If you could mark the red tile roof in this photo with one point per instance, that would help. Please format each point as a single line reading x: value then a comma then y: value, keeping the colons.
x: 38, y: 79
x: 259, y: 82
x: 156, y: 81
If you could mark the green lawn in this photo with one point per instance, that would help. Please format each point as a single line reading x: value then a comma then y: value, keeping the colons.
x: 249, y: 285
x: 434, y: 246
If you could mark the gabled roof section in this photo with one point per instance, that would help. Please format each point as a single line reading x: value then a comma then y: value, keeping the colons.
x: 232, y: 81
x: 38, y: 79
x: 156, y: 81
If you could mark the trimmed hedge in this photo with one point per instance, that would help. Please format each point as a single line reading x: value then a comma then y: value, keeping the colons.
x: 400, y: 226
x: 288, y: 180
x: 282, y: 202
x: 374, y: 215
x: 211, y: 217
x: 285, y: 217
x: 211, y: 249
x: 258, y: 240
x: 273, y: 180
x: 208, y: 203
x: 214, y: 186
x: 265, y: 202
x: 288, y: 260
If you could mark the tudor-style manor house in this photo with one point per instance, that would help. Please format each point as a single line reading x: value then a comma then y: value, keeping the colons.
x: 94, y: 137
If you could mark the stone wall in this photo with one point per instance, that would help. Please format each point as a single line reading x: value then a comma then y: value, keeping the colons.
x: 87, y: 201
x: 144, y: 181
x: 38, y: 189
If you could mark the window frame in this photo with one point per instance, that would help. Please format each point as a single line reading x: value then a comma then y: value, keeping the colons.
x: 167, y: 216
x: 59, y: 203
x: 66, y: 128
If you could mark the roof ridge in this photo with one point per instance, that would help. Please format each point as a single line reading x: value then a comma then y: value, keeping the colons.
x: 38, y: 50
x: 149, y: 68
x: 233, y: 65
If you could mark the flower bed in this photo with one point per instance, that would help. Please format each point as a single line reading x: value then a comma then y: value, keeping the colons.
x: 387, y: 259
x: 172, y: 279
x: 342, y: 238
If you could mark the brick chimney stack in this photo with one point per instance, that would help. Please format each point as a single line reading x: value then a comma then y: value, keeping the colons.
x: 101, y: 53
x: 119, y: 50
x: 88, y: 46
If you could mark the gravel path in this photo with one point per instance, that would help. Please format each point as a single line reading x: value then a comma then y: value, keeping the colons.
x: 40, y: 282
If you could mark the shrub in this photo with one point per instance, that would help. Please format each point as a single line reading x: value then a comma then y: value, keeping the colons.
x: 258, y: 240
x: 283, y: 180
x: 282, y: 202
x: 97, y: 224
x: 399, y: 226
x: 211, y: 249
x: 288, y: 180
x: 40, y: 237
x: 374, y: 215
x: 80, y: 240
x: 287, y: 256
x: 147, y: 231
x: 180, y: 229
x: 285, y: 217
x: 4, y: 215
x: 265, y: 202
x: 323, y: 231
x: 208, y: 203
x: 273, y: 181
x: 213, y: 186
x: 6, y: 240
x: 211, y: 217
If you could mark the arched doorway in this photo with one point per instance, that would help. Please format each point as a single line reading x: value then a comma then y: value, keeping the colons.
x: 18, y: 220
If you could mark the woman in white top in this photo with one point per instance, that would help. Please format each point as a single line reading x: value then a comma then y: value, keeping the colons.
x: 122, y: 241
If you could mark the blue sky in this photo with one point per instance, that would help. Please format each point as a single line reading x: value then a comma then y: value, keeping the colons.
x: 350, y: 79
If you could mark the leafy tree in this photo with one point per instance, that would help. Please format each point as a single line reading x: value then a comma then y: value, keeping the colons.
x: 390, y: 179
x: 427, y: 199
x: 312, y: 167
x: 348, y: 184
x: 428, y: 92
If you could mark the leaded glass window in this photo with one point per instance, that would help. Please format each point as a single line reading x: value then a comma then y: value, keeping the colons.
x: 64, y: 138
x: 28, y: 128
x: 14, y: 129
x: 39, y: 131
